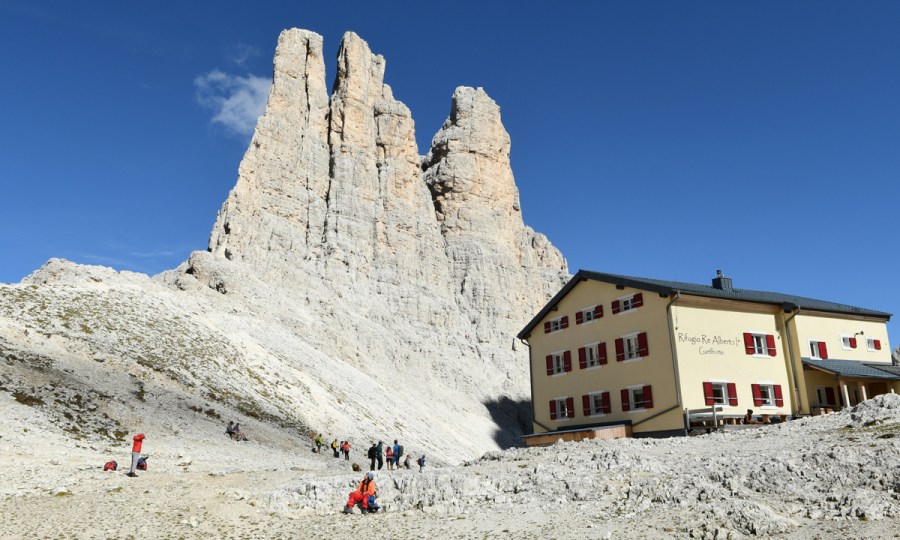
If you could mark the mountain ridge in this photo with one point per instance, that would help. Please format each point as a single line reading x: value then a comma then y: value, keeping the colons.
x: 350, y: 284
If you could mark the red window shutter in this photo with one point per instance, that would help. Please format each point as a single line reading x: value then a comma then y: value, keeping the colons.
x: 570, y: 407
x: 582, y: 358
x: 877, y: 344
x: 549, y: 364
x: 648, y: 397
x: 598, y: 312
x: 586, y: 404
x: 552, y: 409
x: 770, y: 344
x: 620, y: 349
x: 757, y: 395
x: 616, y: 306
x: 637, y: 300
x: 829, y: 396
x: 823, y: 351
x: 547, y: 327
x: 579, y: 317
x: 748, y: 343
x: 607, y: 406
x: 567, y: 361
x: 732, y: 394
x: 708, y: 394
x: 853, y: 343
x: 601, y: 353
x: 779, y: 399
x: 565, y: 322
x: 643, y: 350
x: 626, y: 406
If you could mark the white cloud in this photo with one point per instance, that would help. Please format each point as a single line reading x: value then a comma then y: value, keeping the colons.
x: 236, y: 102
x: 243, y: 52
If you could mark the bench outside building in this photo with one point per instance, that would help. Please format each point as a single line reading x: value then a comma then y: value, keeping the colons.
x: 610, y: 351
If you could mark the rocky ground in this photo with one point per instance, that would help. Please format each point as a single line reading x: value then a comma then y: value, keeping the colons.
x: 836, y: 476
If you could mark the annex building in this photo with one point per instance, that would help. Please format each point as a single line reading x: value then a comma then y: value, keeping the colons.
x: 631, y: 354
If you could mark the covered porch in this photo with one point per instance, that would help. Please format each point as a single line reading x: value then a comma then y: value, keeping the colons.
x: 836, y: 384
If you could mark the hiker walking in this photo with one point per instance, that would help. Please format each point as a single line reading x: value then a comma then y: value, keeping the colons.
x: 379, y: 454
x: 389, y: 454
x: 319, y: 443
x: 407, y: 461
x: 345, y: 448
x: 398, y: 453
x: 135, y: 454
x: 421, y: 462
x: 334, y: 448
x: 372, y: 456
x: 361, y: 495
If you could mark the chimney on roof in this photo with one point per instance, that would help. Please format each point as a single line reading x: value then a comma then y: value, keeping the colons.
x: 721, y: 282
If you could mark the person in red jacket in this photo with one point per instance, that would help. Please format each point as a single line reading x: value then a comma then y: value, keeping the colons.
x: 361, y: 495
x: 135, y: 453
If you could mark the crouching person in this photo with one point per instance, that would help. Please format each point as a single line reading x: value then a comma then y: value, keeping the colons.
x: 361, y: 495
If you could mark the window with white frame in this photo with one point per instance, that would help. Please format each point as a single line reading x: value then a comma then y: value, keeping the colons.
x: 597, y: 404
x: 627, y: 303
x: 817, y: 349
x: 759, y: 344
x: 767, y: 394
x: 592, y: 358
x: 556, y: 363
x: 631, y: 347
x: 873, y: 344
x: 589, y: 314
x: 562, y: 408
x: 848, y: 343
x: 720, y: 393
x: 556, y: 325
x: 636, y: 397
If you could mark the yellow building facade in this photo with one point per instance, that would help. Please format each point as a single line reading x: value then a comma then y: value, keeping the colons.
x: 611, y: 350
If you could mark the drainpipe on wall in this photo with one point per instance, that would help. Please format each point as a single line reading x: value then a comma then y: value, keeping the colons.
x: 793, y: 372
x: 674, y: 349
x: 531, y: 375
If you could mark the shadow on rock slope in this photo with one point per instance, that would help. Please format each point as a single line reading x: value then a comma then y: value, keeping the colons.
x: 513, y: 418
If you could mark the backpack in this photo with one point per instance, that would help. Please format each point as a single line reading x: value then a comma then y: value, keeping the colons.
x: 371, y: 452
x: 400, y: 451
x: 110, y: 466
x: 142, y: 464
x: 421, y: 461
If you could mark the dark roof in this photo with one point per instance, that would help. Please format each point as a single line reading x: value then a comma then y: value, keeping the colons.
x: 890, y: 368
x: 852, y: 368
x: 665, y: 287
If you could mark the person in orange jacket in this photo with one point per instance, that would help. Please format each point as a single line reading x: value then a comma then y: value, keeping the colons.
x: 361, y: 495
x: 135, y: 453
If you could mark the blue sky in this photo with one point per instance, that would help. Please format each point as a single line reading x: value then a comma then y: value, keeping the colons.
x: 659, y: 139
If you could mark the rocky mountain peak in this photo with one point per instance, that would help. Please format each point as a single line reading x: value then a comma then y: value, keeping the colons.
x: 346, y: 284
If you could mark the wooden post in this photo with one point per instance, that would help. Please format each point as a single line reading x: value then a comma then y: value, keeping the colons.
x: 863, y: 388
x: 846, y: 395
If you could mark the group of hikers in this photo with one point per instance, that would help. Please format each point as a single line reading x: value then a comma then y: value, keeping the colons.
x: 138, y: 463
x: 364, y: 495
x: 377, y: 453
x: 337, y: 448
x: 234, y: 431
